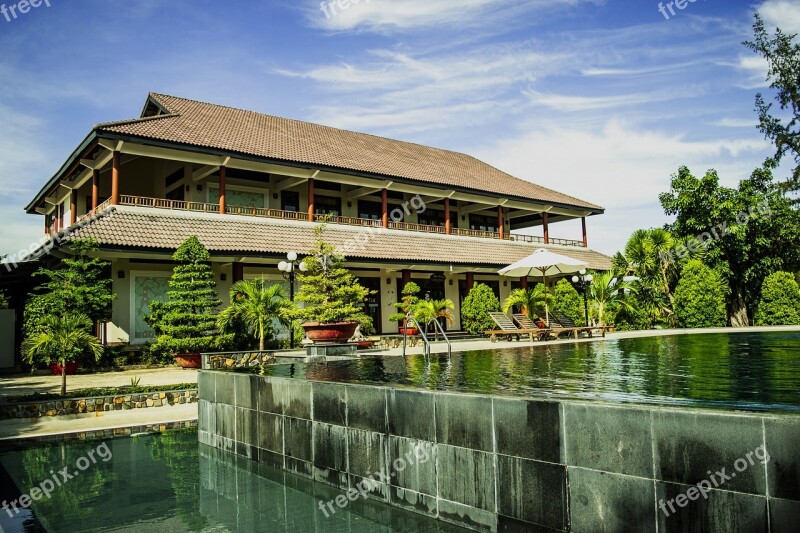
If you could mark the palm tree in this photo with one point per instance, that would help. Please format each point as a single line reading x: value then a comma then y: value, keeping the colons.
x: 532, y: 301
x: 426, y: 311
x: 255, y: 303
x: 63, y: 338
x: 608, y: 291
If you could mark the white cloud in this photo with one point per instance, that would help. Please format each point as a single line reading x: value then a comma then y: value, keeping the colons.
x: 735, y: 123
x: 783, y: 14
x: 619, y: 166
x: 585, y: 103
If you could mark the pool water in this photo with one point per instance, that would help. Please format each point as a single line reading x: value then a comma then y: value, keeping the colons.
x: 170, y: 483
x: 748, y: 371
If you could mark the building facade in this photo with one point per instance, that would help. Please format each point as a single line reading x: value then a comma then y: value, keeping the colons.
x: 252, y: 187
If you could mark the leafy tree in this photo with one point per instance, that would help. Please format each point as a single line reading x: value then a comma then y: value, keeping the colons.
x: 532, y: 300
x: 81, y: 284
x: 745, y: 233
x: 61, y: 338
x: 329, y: 291
x: 779, y: 303
x: 782, y: 53
x: 569, y: 302
x: 700, y: 297
x: 255, y: 303
x: 407, y: 303
x: 475, y: 310
x: 610, y: 294
x: 186, y: 322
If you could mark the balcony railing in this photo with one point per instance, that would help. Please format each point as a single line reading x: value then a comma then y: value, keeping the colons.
x: 180, y: 205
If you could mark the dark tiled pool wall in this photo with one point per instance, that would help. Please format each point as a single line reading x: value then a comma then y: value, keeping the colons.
x: 509, y: 464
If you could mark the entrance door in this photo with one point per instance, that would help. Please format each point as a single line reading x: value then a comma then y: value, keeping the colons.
x: 372, y: 305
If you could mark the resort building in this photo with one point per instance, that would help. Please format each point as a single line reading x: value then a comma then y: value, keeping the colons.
x: 252, y: 187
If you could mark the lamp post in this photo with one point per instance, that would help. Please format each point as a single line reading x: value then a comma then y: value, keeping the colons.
x: 288, y: 269
x: 583, y: 282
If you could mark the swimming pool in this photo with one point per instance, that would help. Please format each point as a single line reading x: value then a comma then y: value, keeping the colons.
x: 167, y: 482
x: 749, y: 371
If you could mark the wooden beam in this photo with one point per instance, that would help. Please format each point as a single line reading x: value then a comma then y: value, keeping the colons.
x: 501, y: 223
x: 288, y: 183
x: 95, y: 188
x: 115, y: 179
x: 470, y: 281
x: 475, y: 208
x: 385, y: 208
x: 204, y: 172
x: 73, y: 207
x: 311, y: 200
x: 546, y: 229
x: 363, y: 191
x: 585, y: 238
x: 447, y: 225
x: 222, y: 191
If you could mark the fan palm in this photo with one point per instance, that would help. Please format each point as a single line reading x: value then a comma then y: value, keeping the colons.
x: 63, y: 338
x: 608, y: 291
x: 426, y: 311
x: 255, y: 303
x: 532, y: 301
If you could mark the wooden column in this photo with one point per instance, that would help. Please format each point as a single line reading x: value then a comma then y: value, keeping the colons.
x: 447, y: 226
x: 501, y: 223
x: 73, y: 207
x: 470, y: 281
x: 46, y: 224
x: 585, y: 238
x: 385, y: 208
x: 546, y: 229
x: 95, y: 188
x: 238, y: 272
x: 406, y: 277
x: 115, y: 179
x: 57, y: 224
x: 311, y: 200
x: 523, y: 282
x: 221, y: 190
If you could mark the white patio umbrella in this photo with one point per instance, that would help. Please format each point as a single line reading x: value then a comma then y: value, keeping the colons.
x: 543, y: 263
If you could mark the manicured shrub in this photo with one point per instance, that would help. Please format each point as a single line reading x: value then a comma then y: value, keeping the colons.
x: 779, y: 304
x: 569, y: 302
x: 700, y: 297
x: 187, y: 322
x: 475, y: 310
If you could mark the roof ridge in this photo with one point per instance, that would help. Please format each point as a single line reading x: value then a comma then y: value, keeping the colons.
x: 134, y: 120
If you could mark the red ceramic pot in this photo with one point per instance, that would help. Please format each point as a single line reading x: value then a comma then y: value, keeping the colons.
x: 410, y: 331
x: 188, y: 360
x: 333, y: 333
x: 72, y: 368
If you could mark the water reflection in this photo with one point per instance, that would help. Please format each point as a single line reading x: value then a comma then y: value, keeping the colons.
x: 753, y: 371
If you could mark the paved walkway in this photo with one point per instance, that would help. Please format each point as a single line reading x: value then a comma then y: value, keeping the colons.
x: 20, y: 384
x: 59, y: 425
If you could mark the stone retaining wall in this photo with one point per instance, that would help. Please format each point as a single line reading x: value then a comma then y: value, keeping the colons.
x: 72, y: 406
x: 515, y: 464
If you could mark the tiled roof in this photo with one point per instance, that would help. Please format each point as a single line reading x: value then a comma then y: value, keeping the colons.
x: 143, y: 228
x: 234, y: 130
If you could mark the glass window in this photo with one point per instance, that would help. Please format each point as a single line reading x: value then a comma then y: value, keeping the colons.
x: 327, y: 205
x: 483, y: 223
x: 290, y: 201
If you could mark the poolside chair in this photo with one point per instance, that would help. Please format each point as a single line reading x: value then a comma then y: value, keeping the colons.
x: 568, y: 324
x: 525, y: 322
x: 508, y: 328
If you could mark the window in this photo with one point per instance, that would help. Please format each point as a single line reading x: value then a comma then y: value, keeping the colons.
x: 435, y: 217
x: 176, y: 194
x: 290, y: 201
x: 370, y: 210
x: 483, y: 223
x: 327, y: 205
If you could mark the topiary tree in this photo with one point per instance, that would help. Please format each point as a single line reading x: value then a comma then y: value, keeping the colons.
x: 331, y: 294
x: 186, y: 322
x: 700, y: 297
x: 475, y: 310
x: 569, y: 302
x: 407, y: 303
x: 779, y: 304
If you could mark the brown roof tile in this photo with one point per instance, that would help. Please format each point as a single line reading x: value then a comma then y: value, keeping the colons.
x: 246, y: 132
x: 143, y: 228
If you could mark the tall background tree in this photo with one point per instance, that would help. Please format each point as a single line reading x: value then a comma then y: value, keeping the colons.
x: 782, y: 54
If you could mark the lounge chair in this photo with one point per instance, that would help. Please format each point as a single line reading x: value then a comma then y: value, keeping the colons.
x: 525, y: 322
x: 508, y: 328
x: 566, y: 323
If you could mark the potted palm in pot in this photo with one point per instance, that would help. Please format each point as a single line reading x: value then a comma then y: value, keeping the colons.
x: 64, y: 338
x: 186, y: 324
x: 531, y: 302
x: 255, y: 304
x: 405, y: 306
x: 333, y: 298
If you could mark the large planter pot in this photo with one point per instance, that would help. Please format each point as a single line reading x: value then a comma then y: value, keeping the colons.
x: 188, y: 360
x: 337, y: 332
x: 410, y: 331
x: 72, y: 368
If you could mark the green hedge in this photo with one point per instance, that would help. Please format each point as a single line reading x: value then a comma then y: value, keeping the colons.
x: 779, y: 304
x: 475, y: 310
x: 700, y: 297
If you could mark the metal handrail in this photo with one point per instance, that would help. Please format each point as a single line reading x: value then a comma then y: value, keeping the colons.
x: 427, y: 350
x: 441, y: 330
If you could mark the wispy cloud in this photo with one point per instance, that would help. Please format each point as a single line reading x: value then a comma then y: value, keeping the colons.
x: 783, y: 14
x: 586, y: 103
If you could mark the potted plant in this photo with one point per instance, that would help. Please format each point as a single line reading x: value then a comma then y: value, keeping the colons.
x: 426, y: 311
x: 333, y: 298
x: 406, y: 306
x: 531, y: 302
x: 66, y: 338
x: 185, y: 324
x: 255, y: 304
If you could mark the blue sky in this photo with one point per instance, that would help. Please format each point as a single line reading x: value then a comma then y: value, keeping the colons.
x: 599, y: 99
